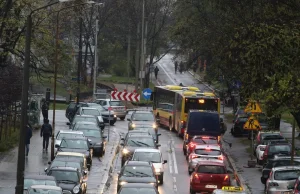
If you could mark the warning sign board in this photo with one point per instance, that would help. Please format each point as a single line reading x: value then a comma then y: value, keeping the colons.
x: 253, y: 107
x: 252, y: 124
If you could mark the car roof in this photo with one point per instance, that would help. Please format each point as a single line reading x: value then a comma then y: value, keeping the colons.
x: 89, y: 108
x: 85, y: 116
x: 286, y: 168
x: 204, y: 111
x: 76, y: 138
x: 39, y: 177
x: 211, y: 163
x: 46, y: 187
x: 70, y: 154
x: 85, y: 123
x: 138, y: 185
x: 203, y: 146
x: 269, y: 132
x: 147, y: 150
x: 66, y: 168
x: 142, y: 111
x: 138, y: 163
x: 72, y: 132
x: 67, y: 159
x: 140, y: 135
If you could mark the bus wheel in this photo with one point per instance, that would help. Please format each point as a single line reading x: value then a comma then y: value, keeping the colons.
x: 170, y: 124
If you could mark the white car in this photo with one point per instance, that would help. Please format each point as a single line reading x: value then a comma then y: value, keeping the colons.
x: 204, y: 152
x: 154, y: 156
x: 67, y: 134
x: 259, y: 153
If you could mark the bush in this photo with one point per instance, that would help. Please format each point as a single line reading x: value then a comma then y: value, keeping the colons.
x: 9, y: 143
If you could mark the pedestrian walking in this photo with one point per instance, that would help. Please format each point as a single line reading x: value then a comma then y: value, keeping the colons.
x: 46, y: 132
x: 176, y: 66
x: 156, y: 70
x: 45, y: 108
x: 28, y: 135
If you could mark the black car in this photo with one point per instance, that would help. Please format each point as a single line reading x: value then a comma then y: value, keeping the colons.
x: 63, y: 162
x: 137, y: 172
x: 80, y: 145
x: 30, y: 180
x: 106, y: 115
x: 87, y: 118
x: 149, y: 131
x: 134, y: 142
x: 276, y: 148
x: 142, y: 119
x: 72, y: 109
x: 238, y: 126
x: 276, y: 162
x: 97, y: 139
x: 131, y: 188
x: 69, y: 179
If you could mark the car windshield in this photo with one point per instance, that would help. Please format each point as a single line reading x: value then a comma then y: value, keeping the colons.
x: 211, y: 169
x: 143, y: 117
x: 29, y: 182
x: 89, y: 119
x: 209, y: 152
x: 44, y: 191
x: 137, y: 191
x: 64, y: 175
x: 57, y: 163
x: 140, y: 142
x: 92, y: 133
x: 205, y: 141
x: 280, y: 148
x: 68, y: 135
x: 93, y: 112
x: 137, y: 171
x: 286, y: 174
x: 74, y: 144
x: 153, y: 157
x: 116, y: 103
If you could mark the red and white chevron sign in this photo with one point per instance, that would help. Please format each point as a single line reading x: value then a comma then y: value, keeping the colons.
x: 125, y: 96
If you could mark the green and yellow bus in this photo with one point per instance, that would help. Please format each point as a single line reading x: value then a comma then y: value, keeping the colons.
x: 172, y: 103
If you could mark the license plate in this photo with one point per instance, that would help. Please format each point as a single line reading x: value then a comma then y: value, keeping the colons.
x: 211, y: 186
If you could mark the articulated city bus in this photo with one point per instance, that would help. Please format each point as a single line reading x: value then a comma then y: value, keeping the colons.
x: 171, y: 104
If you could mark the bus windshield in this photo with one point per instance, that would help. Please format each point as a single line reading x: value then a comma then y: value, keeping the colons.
x: 200, y: 104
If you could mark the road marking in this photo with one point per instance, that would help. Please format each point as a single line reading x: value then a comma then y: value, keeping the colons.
x: 170, y: 163
x: 174, y: 160
x: 174, y: 184
x: 167, y: 74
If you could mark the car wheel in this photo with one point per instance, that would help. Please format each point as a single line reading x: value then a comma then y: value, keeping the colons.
x: 122, y: 118
x: 192, y: 191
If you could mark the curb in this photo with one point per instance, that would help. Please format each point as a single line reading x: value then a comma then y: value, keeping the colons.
x: 105, y: 182
x: 206, y: 85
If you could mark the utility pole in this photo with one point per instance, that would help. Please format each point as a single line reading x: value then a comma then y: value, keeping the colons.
x: 128, y: 58
x: 96, y: 60
x: 142, y: 63
x: 79, y: 59
x: 137, y: 58
x: 147, y: 80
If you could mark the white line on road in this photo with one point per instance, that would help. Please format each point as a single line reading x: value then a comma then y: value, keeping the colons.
x: 174, y: 160
x: 167, y: 74
x: 170, y: 163
x: 174, y: 184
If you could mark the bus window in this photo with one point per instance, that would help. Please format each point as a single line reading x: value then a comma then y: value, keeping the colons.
x: 200, y: 104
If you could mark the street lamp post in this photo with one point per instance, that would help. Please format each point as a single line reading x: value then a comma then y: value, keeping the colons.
x: 55, y: 71
x: 142, y: 45
x: 24, y: 100
x: 96, y: 60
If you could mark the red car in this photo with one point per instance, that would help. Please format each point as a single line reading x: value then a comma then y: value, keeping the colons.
x: 208, y: 176
x: 200, y: 140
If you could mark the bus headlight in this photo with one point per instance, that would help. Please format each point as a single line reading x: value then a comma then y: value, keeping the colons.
x: 133, y: 125
x: 154, y: 125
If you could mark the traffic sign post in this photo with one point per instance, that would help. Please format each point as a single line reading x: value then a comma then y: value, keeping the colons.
x: 147, y: 95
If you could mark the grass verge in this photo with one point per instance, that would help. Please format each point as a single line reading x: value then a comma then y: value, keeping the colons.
x: 58, y: 106
x: 10, y: 142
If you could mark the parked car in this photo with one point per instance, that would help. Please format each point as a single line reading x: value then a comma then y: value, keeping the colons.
x: 267, y: 135
x: 132, y: 188
x: 274, y: 148
x: 137, y: 172
x: 89, y: 118
x: 115, y: 105
x: 65, y: 156
x: 142, y: 119
x: 238, y: 126
x: 37, y: 189
x: 66, y: 134
x: 106, y: 115
x: 72, y: 109
x: 30, y: 180
x: 70, y: 162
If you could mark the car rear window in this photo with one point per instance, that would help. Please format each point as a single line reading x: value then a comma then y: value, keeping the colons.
x: 286, y: 174
x: 279, y: 149
x: 209, y: 152
x: 211, y: 169
x: 205, y: 141
x: 203, y: 122
x: 138, y: 191
x: 116, y: 103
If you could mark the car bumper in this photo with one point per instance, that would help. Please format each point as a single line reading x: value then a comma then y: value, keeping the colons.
x: 277, y: 190
x: 203, y: 187
x: 111, y: 119
x: 120, y: 114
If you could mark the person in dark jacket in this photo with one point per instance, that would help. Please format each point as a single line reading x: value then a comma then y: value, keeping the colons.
x: 156, y: 70
x: 46, y: 132
x: 28, y: 135
x: 45, y: 108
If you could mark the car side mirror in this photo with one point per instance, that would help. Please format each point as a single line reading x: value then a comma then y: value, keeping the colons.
x: 128, y: 119
x: 56, y: 146
x: 122, y: 144
x: 68, y: 123
x: 158, y: 134
x: 165, y: 161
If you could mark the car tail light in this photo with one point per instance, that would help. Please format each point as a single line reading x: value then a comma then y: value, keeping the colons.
x: 265, y: 156
x: 192, y: 145
x: 273, y: 184
x: 110, y: 108
x: 196, y: 178
x: 221, y: 158
x: 226, y: 178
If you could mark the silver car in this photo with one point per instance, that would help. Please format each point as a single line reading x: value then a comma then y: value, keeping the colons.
x: 34, y: 189
x: 67, y: 134
x: 281, y: 178
x: 115, y: 105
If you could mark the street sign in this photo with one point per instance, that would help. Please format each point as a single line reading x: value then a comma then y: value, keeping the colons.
x: 147, y: 93
x: 252, y: 124
x: 125, y: 96
x: 253, y: 107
